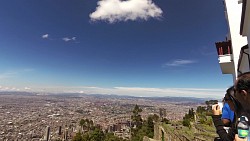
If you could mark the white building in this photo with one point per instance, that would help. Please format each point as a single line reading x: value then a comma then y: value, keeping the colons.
x: 233, y: 52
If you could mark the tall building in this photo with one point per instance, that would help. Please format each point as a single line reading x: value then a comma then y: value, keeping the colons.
x: 234, y: 51
x: 65, y: 138
x: 163, y: 113
x: 60, y: 130
x: 47, y: 134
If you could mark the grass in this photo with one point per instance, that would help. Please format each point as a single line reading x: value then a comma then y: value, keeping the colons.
x: 208, y: 134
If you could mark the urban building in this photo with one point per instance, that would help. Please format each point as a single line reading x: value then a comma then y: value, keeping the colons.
x: 234, y: 51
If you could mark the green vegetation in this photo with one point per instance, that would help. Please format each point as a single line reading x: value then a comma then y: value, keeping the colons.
x: 94, y: 133
x: 195, y: 124
x: 142, y: 128
x: 188, y: 118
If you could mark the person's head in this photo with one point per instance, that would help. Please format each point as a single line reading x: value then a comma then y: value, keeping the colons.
x: 229, y: 98
x: 242, y: 91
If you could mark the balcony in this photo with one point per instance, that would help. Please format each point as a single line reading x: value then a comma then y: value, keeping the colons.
x: 225, y: 54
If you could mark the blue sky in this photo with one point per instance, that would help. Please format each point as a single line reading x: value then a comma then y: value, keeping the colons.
x: 134, y: 47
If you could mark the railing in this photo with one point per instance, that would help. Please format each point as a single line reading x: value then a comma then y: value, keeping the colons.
x: 224, y: 48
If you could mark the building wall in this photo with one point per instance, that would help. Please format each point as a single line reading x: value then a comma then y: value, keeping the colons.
x: 248, y: 30
x: 246, y: 27
x: 244, y: 64
x: 233, y: 16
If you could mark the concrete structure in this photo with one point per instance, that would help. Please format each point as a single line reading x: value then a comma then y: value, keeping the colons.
x: 47, y: 134
x: 245, y: 19
x: 163, y: 113
x: 160, y: 134
x: 233, y: 52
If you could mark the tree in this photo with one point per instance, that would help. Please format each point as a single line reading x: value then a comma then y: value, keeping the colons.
x: 166, y: 121
x: 146, y: 128
x: 137, y: 120
x: 82, y: 123
x: 97, y: 135
x: 150, y: 127
x: 78, y: 137
x: 136, y: 117
x: 200, y: 110
x: 186, y: 122
x: 94, y: 133
x: 156, y: 117
x: 191, y: 113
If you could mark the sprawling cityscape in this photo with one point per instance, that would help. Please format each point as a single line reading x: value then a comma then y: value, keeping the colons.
x: 34, y: 116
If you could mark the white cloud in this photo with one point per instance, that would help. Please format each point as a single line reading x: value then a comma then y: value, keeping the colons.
x: 130, y: 91
x: 121, y: 10
x: 67, y: 39
x: 27, y: 88
x: 149, y: 92
x: 10, y: 88
x: 179, y: 62
x: 177, y: 92
x: 81, y: 92
x: 45, y: 36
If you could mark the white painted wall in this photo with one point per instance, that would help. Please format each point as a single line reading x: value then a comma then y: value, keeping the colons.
x: 233, y: 13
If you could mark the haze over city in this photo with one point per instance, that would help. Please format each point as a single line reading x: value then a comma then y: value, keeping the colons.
x: 138, y: 48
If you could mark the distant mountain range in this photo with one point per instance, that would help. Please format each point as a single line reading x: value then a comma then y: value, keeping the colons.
x: 105, y: 96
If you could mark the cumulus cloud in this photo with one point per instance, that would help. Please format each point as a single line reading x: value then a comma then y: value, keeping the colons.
x: 121, y: 10
x: 179, y: 62
x: 45, y: 36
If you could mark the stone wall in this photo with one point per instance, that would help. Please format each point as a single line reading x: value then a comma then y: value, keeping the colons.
x: 145, y: 138
x: 160, y: 134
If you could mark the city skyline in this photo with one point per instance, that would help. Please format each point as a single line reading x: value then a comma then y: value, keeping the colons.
x: 139, y: 48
